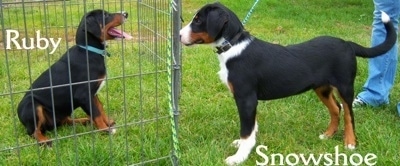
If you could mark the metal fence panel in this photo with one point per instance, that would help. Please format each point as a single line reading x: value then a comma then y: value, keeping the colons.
x: 143, y: 82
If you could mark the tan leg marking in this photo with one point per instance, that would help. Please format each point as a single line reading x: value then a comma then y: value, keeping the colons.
x: 330, y: 103
x: 349, y: 136
x: 101, y: 121
x: 70, y: 121
x: 37, y: 134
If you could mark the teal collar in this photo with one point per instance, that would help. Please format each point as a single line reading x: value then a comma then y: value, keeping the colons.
x: 95, y: 50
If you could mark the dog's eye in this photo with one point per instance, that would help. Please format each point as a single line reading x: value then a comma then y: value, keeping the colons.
x: 196, y: 20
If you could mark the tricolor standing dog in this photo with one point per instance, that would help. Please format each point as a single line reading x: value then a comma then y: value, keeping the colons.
x: 256, y: 70
x: 74, y: 80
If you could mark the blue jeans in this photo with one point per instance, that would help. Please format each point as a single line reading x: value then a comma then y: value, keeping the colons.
x: 381, y: 69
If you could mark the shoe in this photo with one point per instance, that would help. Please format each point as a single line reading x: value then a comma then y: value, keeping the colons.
x: 358, y: 103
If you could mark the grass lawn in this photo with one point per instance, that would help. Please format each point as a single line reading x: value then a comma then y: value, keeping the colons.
x: 135, y: 96
x: 137, y: 92
x: 209, y: 120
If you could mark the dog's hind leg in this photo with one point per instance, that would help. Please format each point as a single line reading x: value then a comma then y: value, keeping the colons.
x: 70, y: 121
x: 248, y: 127
x: 41, y: 121
x: 347, y: 98
x: 326, y: 95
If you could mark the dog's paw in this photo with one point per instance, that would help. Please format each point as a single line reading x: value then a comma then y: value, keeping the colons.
x: 109, y: 130
x: 110, y: 123
x: 46, y: 143
x: 350, y: 146
x: 323, y: 136
x: 235, y: 160
x: 244, y: 148
x: 236, y: 143
x: 112, y: 130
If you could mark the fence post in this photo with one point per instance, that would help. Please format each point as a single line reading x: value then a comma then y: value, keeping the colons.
x: 176, y: 74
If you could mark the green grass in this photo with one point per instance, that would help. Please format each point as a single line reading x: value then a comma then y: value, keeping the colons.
x: 136, y: 94
x: 209, y: 120
x: 137, y: 91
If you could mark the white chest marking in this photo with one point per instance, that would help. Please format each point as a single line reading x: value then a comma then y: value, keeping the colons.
x: 225, y: 56
x: 103, y: 82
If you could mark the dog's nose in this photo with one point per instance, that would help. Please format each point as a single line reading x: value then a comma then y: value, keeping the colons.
x: 124, y: 13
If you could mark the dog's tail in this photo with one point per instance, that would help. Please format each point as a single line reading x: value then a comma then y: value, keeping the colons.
x: 382, y: 48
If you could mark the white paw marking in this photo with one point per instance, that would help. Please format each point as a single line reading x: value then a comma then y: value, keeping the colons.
x: 236, y: 143
x: 244, y: 148
x: 235, y: 160
x: 113, y: 131
x: 323, y: 136
x: 350, y: 147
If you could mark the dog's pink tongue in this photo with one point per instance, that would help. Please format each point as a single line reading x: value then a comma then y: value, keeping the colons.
x: 119, y: 34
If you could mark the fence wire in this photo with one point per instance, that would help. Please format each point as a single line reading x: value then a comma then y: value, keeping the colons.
x: 141, y: 93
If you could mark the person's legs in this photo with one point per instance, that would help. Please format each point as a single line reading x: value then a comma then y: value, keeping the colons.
x: 398, y: 108
x: 381, y: 69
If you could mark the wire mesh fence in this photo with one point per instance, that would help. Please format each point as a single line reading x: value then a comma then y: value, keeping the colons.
x: 140, y: 94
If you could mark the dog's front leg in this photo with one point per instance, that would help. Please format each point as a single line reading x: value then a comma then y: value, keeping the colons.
x: 94, y: 109
x: 101, y: 120
x: 247, y: 106
x: 104, y: 117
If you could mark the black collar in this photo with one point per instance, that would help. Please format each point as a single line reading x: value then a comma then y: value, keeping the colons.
x: 226, y: 45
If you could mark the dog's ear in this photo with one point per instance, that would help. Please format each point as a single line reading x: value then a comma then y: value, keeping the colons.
x: 92, y: 26
x: 216, y: 19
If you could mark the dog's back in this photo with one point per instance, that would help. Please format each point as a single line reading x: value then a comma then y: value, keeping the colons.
x: 324, y: 60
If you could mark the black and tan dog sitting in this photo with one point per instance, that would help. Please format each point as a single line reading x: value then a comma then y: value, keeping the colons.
x: 256, y: 70
x: 74, y: 80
